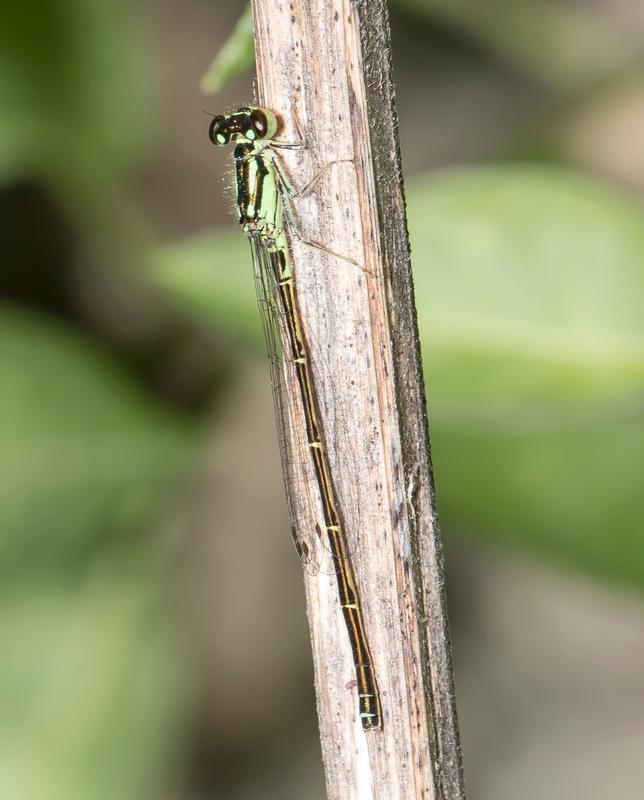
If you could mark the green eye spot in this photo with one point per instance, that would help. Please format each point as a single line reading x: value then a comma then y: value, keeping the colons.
x: 249, y: 134
x: 221, y: 138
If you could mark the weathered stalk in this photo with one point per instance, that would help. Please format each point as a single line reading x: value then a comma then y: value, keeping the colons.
x: 324, y: 67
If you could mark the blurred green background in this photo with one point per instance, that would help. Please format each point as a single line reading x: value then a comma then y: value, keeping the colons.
x: 147, y: 575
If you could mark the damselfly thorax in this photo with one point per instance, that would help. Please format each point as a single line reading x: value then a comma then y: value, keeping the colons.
x: 263, y: 196
x: 261, y: 211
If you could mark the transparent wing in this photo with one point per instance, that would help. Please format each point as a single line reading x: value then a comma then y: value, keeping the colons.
x: 299, y: 483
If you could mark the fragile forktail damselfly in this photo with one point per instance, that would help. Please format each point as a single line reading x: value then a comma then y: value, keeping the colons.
x: 263, y: 195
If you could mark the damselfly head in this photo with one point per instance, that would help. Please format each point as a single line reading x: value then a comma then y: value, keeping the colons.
x: 246, y: 124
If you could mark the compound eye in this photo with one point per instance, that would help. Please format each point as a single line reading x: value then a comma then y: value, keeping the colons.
x: 217, y: 133
x: 259, y: 122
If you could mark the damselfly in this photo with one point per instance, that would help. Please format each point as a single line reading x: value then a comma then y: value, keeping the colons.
x: 263, y: 203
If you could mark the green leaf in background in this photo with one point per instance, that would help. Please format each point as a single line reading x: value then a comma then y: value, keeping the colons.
x: 78, y: 434
x: 528, y: 286
x: 211, y: 275
x: 73, y: 88
x: 236, y: 56
x: 563, y: 44
x: 91, y: 698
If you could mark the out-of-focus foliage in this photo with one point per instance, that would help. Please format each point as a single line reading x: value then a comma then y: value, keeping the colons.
x: 77, y: 434
x: 561, y: 44
x: 566, y: 46
x: 89, y: 688
x: 90, y: 694
x: 184, y: 270
x: 74, y: 91
x: 92, y: 703
x: 529, y: 286
x: 528, y: 282
x: 91, y: 700
x: 236, y: 56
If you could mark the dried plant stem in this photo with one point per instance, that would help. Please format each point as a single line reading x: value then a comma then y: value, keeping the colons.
x: 324, y: 67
